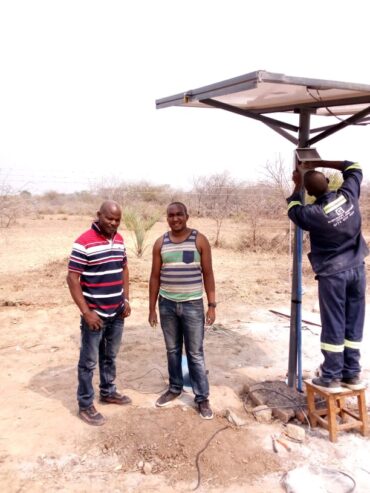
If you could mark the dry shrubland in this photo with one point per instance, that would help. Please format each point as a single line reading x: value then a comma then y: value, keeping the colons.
x: 259, y: 208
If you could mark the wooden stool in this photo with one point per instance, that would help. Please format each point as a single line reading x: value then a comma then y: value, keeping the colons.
x: 336, y: 405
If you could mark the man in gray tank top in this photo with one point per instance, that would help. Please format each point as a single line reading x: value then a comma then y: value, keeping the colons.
x: 181, y: 266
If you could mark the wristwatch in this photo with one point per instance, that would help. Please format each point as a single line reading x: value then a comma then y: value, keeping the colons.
x: 212, y: 305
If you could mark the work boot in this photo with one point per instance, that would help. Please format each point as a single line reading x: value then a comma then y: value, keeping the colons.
x: 91, y: 416
x: 166, y: 398
x: 205, y: 410
x: 353, y: 383
x: 331, y: 386
x: 116, y: 398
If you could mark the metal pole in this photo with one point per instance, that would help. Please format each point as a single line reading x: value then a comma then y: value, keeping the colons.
x: 296, y: 293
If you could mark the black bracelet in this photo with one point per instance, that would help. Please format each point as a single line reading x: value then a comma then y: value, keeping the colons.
x: 212, y: 305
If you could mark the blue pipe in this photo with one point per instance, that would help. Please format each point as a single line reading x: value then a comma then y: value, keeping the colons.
x: 299, y: 308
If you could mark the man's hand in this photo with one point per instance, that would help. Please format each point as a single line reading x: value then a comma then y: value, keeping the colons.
x: 93, y: 320
x: 127, y: 309
x: 211, y: 315
x: 297, y: 178
x: 153, y: 320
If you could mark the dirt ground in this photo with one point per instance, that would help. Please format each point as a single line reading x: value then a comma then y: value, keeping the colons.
x: 45, y: 447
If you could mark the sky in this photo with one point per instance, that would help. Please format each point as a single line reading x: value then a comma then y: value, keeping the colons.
x: 79, y: 80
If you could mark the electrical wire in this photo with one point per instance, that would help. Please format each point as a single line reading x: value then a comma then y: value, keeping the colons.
x: 201, y: 451
x: 295, y: 405
x: 142, y: 376
x: 336, y: 472
x: 320, y: 100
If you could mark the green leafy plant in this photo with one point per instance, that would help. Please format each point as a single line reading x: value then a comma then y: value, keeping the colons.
x: 139, y: 225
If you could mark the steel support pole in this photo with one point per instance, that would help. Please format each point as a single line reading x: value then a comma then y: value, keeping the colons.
x: 296, y: 293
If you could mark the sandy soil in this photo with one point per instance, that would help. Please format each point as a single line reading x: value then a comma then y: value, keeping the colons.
x: 45, y: 447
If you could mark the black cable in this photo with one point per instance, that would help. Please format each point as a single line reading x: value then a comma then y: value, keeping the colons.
x: 203, y: 449
x: 295, y: 406
x: 142, y: 376
x: 276, y: 392
x: 298, y: 406
x: 320, y: 100
x: 283, y: 478
x: 351, y: 478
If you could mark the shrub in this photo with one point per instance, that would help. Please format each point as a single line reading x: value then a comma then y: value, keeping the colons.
x: 261, y: 243
x: 139, y: 225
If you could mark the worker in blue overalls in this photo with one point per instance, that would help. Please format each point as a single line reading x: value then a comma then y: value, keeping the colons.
x: 337, y: 255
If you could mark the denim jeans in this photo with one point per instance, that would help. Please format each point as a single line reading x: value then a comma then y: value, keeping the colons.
x: 342, y: 309
x: 184, y: 322
x: 102, y: 346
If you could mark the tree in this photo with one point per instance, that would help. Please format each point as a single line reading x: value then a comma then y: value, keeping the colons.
x: 215, y: 197
x: 12, y: 203
x: 277, y: 175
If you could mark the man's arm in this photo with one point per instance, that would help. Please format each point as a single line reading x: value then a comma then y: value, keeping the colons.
x: 297, y: 176
x: 352, y: 174
x: 208, y: 276
x: 154, y: 282
x: 92, y: 319
x: 126, y: 285
x: 297, y: 212
x: 322, y: 163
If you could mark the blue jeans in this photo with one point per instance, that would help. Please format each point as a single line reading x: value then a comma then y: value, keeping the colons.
x: 102, y: 345
x: 342, y: 310
x: 184, y: 322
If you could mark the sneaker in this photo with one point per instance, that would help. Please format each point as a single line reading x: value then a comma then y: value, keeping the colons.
x: 205, y: 410
x: 353, y: 383
x: 91, y: 416
x: 331, y: 386
x: 166, y: 398
x: 115, y: 398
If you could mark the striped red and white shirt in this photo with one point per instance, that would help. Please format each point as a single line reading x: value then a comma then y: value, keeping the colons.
x: 100, y: 262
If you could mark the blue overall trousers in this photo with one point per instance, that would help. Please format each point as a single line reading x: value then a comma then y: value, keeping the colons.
x: 342, y: 309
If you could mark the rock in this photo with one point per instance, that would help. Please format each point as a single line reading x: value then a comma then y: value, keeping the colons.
x: 262, y: 413
x: 301, y: 416
x: 295, y: 432
x: 140, y: 464
x: 284, y: 414
x: 147, y: 469
x: 303, y: 480
x: 234, y: 418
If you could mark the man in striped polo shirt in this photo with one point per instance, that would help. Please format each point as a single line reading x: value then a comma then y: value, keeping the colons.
x: 98, y: 280
x: 181, y: 265
x: 337, y: 255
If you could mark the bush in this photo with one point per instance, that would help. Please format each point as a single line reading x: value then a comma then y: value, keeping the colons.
x: 261, y: 243
x: 139, y: 224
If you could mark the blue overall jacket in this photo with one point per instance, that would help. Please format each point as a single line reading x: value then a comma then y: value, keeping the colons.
x: 334, y: 225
